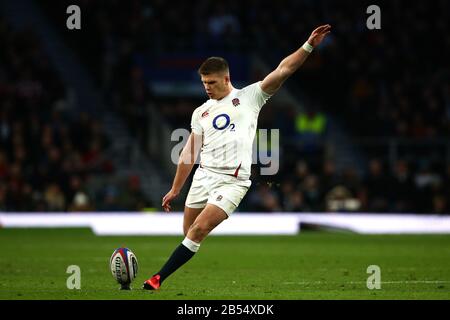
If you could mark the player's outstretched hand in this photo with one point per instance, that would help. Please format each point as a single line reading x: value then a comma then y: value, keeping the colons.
x: 319, y: 34
x: 167, y: 198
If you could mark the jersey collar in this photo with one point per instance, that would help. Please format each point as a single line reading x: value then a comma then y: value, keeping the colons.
x: 232, y: 93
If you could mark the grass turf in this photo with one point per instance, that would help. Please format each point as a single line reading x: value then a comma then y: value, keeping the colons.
x: 312, y: 265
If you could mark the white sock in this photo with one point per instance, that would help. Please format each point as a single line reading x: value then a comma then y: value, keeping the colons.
x: 191, y: 245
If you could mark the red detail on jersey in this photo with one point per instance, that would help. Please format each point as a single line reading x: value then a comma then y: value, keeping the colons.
x: 237, y: 171
x: 205, y: 114
x: 235, y: 102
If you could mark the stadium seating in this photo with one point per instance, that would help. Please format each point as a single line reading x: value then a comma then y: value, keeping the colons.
x: 397, y: 113
x: 49, y: 153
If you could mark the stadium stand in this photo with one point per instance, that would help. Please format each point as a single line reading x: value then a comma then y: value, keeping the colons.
x: 49, y: 154
x: 398, y: 114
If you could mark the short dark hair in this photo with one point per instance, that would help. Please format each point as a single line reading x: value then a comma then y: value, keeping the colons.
x: 213, y: 65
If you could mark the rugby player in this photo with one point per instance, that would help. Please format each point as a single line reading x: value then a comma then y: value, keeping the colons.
x: 223, y: 130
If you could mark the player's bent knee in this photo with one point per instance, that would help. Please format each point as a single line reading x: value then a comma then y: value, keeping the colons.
x: 186, y: 229
x: 197, y: 232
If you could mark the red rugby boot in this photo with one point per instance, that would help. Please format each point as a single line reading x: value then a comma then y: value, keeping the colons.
x: 152, y: 283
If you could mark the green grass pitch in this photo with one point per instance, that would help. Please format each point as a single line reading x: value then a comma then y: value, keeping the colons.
x: 312, y: 265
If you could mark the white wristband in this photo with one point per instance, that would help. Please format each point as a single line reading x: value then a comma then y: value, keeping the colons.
x: 307, y: 47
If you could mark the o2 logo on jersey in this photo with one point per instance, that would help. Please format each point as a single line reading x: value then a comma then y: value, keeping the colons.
x: 222, y: 121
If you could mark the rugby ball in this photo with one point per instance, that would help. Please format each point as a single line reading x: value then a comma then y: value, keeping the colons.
x: 124, y: 266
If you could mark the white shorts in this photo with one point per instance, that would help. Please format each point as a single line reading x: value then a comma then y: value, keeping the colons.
x: 222, y: 190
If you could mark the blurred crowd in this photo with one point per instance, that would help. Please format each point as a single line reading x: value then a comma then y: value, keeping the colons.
x: 393, y: 82
x: 387, y: 83
x: 49, y: 153
x: 396, y: 86
x: 400, y: 189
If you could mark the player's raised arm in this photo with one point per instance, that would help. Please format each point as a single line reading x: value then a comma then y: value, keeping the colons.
x: 273, y: 81
x: 185, y: 163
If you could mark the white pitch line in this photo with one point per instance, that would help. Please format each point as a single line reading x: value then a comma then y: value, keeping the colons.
x: 360, y: 282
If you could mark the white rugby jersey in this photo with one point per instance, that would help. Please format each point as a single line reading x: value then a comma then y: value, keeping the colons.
x: 228, y: 127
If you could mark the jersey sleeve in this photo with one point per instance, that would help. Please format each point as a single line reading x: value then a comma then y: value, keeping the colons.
x: 195, y: 123
x: 257, y: 96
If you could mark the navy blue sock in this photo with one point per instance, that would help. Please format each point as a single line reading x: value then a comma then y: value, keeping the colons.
x: 180, y: 256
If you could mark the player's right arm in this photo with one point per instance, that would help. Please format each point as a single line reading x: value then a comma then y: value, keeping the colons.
x: 185, y: 164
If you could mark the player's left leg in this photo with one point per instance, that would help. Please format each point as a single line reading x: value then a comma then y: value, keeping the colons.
x: 207, y: 220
